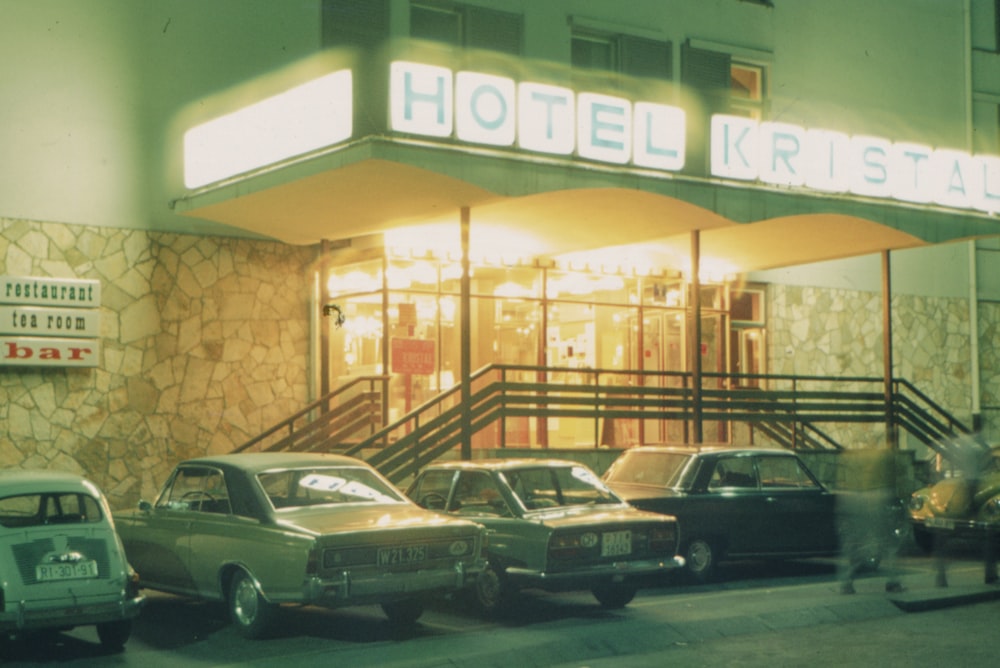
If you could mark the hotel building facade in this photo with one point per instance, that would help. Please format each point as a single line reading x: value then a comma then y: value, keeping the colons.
x: 214, y: 213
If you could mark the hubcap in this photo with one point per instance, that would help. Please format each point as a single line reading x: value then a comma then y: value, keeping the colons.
x: 245, y: 602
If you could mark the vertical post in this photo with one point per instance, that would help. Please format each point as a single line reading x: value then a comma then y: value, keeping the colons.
x: 694, y: 345
x: 322, y: 294
x: 891, y: 435
x: 466, y: 336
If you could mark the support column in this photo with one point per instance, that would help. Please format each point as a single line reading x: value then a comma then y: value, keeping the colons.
x: 694, y: 337
x: 466, y: 336
x: 891, y: 434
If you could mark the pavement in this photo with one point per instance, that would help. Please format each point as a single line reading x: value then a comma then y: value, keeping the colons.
x: 703, y: 614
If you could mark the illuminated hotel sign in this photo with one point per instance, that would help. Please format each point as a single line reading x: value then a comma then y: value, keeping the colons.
x: 53, y: 322
x: 488, y: 110
x: 484, y: 109
x: 784, y: 154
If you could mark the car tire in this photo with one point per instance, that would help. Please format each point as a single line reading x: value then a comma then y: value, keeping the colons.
x: 404, y: 612
x: 614, y: 595
x: 114, y: 635
x: 493, y: 591
x: 249, y: 611
x: 701, y: 559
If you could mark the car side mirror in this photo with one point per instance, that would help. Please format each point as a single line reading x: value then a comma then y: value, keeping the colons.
x: 145, y: 506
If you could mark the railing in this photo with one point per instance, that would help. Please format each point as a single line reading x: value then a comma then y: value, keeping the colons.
x: 346, y: 415
x: 790, y: 414
x: 796, y: 412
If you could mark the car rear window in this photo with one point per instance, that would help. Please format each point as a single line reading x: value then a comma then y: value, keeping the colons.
x: 44, y: 508
x: 295, y: 488
x: 648, y: 468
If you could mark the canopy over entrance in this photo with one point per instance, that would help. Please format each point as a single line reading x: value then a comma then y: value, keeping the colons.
x: 377, y: 185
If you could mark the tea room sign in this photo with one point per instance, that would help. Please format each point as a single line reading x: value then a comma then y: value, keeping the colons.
x: 49, y: 322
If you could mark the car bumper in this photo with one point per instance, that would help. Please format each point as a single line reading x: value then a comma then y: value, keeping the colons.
x: 350, y: 588
x: 616, y: 570
x: 23, y: 615
x: 957, y: 527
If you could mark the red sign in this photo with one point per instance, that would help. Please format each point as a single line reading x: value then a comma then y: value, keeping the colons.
x: 412, y: 356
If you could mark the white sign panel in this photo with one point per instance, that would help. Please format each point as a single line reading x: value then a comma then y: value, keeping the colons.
x: 21, y: 351
x: 43, y: 321
x: 83, y: 293
x: 305, y: 118
x: 784, y: 154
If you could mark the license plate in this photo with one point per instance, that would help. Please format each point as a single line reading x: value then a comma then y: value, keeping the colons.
x: 391, y: 556
x: 939, y: 523
x: 75, y: 571
x: 614, y: 543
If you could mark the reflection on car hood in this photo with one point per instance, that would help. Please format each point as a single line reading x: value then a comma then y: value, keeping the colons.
x: 633, y: 492
x: 364, y: 517
x: 588, y: 515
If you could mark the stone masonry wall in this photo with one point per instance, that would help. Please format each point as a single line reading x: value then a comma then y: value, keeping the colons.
x: 205, y: 344
x: 837, y: 332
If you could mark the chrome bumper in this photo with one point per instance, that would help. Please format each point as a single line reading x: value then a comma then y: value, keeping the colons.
x: 351, y: 587
x: 22, y: 615
x: 616, y: 570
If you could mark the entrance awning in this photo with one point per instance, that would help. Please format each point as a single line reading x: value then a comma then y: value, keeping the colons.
x: 379, y: 185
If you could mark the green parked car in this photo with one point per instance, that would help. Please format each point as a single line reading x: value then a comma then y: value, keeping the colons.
x: 263, y: 529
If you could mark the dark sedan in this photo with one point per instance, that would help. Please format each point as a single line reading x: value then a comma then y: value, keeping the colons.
x: 746, y: 503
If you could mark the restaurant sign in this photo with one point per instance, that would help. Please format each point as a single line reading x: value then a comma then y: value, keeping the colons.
x: 49, y: 322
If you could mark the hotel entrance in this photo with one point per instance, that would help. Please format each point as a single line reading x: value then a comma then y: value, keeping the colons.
x: 545, y: 320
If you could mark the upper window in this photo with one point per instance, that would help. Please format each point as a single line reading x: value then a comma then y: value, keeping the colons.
x: 354, y: 22
x: 746, y: 89
x: 627, y: 54
x: 466, y: 26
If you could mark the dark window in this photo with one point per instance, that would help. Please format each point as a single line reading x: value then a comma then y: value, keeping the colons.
x: 354, y: 22
x: 627, y: 54
x: 464, y: 26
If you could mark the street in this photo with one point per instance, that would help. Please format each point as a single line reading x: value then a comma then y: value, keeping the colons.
x: 758, y: 614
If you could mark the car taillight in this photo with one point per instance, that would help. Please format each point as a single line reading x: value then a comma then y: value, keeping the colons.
x: 569, y: 545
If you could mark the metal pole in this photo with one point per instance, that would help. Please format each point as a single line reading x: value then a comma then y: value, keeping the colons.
x: 694, y: 345
x: 466, y: 336
x: 891, y: 435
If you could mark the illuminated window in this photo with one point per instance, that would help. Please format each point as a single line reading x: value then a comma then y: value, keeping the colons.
x: 746, y: 90
x: 466, y: 26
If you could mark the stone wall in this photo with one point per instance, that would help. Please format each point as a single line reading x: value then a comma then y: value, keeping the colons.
x: 837, y: 332
x: 989, y: 369
x: 205, y: 344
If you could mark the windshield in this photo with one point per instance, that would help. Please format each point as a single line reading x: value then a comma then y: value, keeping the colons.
x: 558, y: 487
x: 296, y: 488
x: 662, y: 469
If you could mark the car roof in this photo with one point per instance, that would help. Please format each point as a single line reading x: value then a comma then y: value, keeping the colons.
x: 20, y: 481
x: 255, y: 462
x: 504, y: 464
x: 739, y: 450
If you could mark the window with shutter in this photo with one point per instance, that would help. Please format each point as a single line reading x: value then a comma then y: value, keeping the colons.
x: 643, y: 57
x: 361, y: 23
x: 472, y: 27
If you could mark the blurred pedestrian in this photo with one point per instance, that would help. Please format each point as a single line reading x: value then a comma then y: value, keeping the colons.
x: 869, y: 515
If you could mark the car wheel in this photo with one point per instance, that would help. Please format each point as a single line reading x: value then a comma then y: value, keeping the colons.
x: 494, y: 592
x: 248, y: 609
x: 614, y: 595
x: 700, y: 557
x: 114, y: 635
x: 404, y: 612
